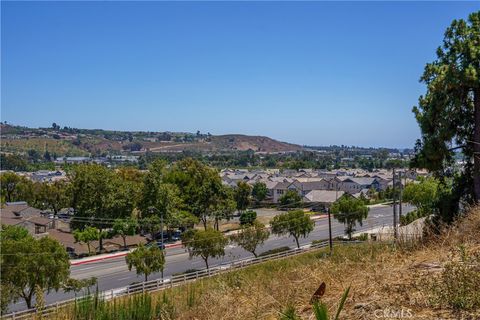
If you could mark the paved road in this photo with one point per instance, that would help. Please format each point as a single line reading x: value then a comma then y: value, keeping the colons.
x: 113, y: 273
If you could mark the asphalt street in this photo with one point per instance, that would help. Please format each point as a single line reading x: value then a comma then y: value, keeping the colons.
x: 113, y: 273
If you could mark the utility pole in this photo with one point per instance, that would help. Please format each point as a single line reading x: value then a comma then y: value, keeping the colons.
x: 330, y: 240
x: 161, y: 226
x: 400, y: 195
x: 394, y: 207
x: 161, y: 246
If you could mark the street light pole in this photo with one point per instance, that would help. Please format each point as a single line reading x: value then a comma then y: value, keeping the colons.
x: 394, y: 207
x: 161, y: 227
x: 330, y: 240
x: 400, y: 196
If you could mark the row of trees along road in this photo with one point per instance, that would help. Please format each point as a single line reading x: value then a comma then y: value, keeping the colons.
x: 121, y: 202
x: 210, y: 243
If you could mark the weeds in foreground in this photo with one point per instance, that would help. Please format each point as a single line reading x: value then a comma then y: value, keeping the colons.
x: 136, y: 307
x: 457, y: 285
x: 320, y: 309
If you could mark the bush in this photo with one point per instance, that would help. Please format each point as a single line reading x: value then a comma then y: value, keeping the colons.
x: 409, y: 218
x: 276, y: 250
x: 362, y: 237
x: 458, y: 283
x: 184, y: 272
x: 248, y: 217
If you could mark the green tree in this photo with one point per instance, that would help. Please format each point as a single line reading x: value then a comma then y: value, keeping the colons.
x: 151, y: 225
x: 423, y: 195
x: 28, y: 263
x: 13, y: 162
x: 146, y: 260
x: 52, y: 195
x: 76, y: 285
x: 16, y: 188
x: 449, y: 113
x: 133, y: 180
x: 199, y: 186
x: 87, y: 236
x: 206, y: 244
x: 290, y: 199
x: 259, y: 191
x: 55, y: 195
x: 222, y: 207
x: 349, y: 211
x: 250, y: 237
x: 165, y: 206
x: 294, y: 223
x: 247, y: 217
x: 151, y: 182
x: 242, y: 195
x: 182, y: 219
x: 99, y: 195
x: 125, y: 228
x: 9, y: 181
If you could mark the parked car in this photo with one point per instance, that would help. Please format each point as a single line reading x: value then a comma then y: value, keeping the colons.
x: 176, y: 235
x: 157, y: 243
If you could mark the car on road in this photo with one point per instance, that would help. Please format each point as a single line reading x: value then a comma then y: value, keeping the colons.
x: 159, y: 244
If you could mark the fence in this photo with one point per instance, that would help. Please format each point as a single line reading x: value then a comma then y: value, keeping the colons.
x: 160, y: 284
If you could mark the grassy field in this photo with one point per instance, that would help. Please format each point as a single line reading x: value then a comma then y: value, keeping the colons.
x: 435, y: 279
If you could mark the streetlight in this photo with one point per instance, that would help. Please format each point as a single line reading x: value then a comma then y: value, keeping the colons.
x: 330, y: 240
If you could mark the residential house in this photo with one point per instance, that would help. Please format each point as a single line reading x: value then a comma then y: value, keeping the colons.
x: 322, y: 199
x: 76, y: 249
x: 21, y: 214
x: 355, y: 184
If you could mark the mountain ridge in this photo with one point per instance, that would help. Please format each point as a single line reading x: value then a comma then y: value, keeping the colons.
x: 75, y: 141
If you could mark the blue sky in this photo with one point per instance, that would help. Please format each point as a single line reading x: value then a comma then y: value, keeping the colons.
x: 314, y: 73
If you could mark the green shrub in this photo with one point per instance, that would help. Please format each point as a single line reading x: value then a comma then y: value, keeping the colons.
x: 457, y: 286
x: 362, y: 237
x: 184, y: 272
x: 409, y: 217
x: 248, y: 217
x: 277, y: 250
x: 289, y: 313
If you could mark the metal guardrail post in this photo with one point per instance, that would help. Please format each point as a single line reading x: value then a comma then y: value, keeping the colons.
x: 196, y: 275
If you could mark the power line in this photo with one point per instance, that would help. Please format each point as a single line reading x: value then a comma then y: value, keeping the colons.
x: 183, y: 243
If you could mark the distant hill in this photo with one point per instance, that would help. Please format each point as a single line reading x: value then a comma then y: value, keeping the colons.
x: 81, y: 142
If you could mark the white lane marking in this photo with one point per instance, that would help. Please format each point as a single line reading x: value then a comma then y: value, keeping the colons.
x: 82, y: 269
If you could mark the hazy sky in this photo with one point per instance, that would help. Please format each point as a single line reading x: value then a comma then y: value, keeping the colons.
x: 314, y: 73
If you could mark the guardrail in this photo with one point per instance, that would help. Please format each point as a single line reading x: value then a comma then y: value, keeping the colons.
x: 160, y: 284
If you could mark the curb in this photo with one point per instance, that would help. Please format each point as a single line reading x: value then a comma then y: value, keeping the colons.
x: 117, y: 255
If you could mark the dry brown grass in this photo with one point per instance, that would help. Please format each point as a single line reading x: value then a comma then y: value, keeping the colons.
x: 384, y: 280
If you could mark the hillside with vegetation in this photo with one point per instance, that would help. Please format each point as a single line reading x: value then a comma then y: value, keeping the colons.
x: 83, y: 142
